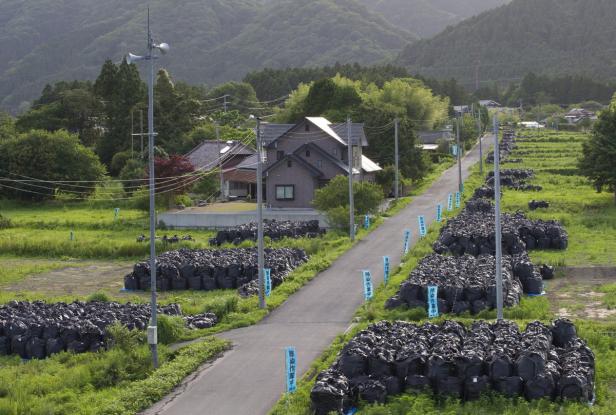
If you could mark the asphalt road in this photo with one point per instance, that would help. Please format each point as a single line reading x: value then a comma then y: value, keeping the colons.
x: 249, y: 379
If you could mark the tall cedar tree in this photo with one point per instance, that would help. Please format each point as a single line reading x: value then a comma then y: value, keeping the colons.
x: 598, y: 162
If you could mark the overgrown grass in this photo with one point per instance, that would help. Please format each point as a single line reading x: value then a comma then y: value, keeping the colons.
x: 118, y: 381
x: 590, y: 223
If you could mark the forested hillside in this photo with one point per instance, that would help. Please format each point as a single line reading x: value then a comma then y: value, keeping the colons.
x: 543, y: 36
x: 212, y: 40
x: 426, y: 18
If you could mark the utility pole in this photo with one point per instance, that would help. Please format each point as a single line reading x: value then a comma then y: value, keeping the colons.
x: 225, y: 102
x: 141, y: 130
x: 397, y: 129
x: 477, y: 74
x: 222, y: 182
x: 480, y: 139
x: 132, y: 132
x: 260, y: 255
x: 459, y: 154
x: 351, y: 201
x: 497, y: 224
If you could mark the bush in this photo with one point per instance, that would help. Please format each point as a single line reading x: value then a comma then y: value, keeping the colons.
x: 5, y: 222
x: 368, y: 196
x: 98, y: 296
x: 170, y: 328
x: 338, y: 218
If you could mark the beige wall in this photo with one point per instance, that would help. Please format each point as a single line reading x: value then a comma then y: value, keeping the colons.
x: 304, y: 183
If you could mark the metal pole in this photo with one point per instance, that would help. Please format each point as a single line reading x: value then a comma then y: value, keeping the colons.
x: 459, y: 154
x: 154, y: 317
x: 141, y: 130
x: 497, y: 225
x: 222, y: 183
x: 397, y: 191
x: 351, y: 201
x: 260, y: 256
x: 225, y: 102
x: 480, y: 140
x: 132, y: 133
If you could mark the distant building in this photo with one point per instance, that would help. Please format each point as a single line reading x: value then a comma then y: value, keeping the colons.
x: 237, y: 182
x: 578, y: 114
x: 489, y: 103
x: 460, y: 110
x: 531, y: 124
x: 304, y: 157
x: 430, y: 140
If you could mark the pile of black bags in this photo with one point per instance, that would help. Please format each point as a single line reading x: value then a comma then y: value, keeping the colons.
x: 514, y: 179
x: 538, y: 204
x: 468, y: 283
x: 38, y: 329
x: 390, y: 358
x: 212, y: 269
x: 273, y: 229
x: 507, y: 145
x: 472, y: 232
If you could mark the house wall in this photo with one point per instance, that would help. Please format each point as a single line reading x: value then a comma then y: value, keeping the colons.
x: 305, y: 185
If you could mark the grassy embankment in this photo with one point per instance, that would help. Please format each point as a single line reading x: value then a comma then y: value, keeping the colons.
x: 590, y: 219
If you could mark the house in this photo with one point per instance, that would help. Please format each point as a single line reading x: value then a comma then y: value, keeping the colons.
x: 578, y: 114
x: 430, y: 140
x: 489, y: 103
x: 531, y: 124
x: 238, y: 180
x: 304, y: 157
x: 460, y: 110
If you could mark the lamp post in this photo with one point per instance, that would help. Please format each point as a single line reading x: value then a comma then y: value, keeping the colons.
x: 163, y: 48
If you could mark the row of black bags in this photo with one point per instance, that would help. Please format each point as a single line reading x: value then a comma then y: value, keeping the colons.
x: 211, y: 269
x: 273, y: 229
x: 390, y: 358
x: 39, y: 329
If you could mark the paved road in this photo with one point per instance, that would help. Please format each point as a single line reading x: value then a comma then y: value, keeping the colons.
x: 249, y: 379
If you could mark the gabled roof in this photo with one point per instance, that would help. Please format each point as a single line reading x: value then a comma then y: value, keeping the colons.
x: 313, y: 170
x: 338, y: 163
x: 272, y: 132
x: 249, y: 163
x: 368, y: 165
x: 207, y: 153
x: 432, y: 137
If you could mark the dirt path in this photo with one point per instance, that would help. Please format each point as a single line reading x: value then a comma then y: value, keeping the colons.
x: 79, y: 280
x: 574, y: 295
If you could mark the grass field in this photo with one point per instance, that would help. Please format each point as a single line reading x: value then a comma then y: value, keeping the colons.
x: 590, y: 219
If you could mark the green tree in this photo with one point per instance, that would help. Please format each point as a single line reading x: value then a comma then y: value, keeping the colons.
x: 48, y: 156
x: 7, y: 126
x: 132, y: 175
x: 367, y: 196
x: 598, y: 161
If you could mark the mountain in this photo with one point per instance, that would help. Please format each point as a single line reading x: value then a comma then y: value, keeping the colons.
x: 212, y: 40
x: 553, y: 37
x: 426, y: 18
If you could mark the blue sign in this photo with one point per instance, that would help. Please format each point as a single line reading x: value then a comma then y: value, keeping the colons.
x: 116, y: 213
x: 407, y: 241
x: 450, y: 202
x: 439, y: 213
x: 454, y: 150
x: 352, y: 411
x: 267, y: 276
x: 422, y: 226
x: 386, y: 269
x: 458, y: 199
x: 432, y: 301
x: 368, y: 291
x: 291, y: 365
x: 366, y: 222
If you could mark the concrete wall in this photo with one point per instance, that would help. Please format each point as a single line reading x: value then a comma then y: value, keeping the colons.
x: 228, y: 220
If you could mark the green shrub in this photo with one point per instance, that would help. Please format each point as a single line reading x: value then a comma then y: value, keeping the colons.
x: 170, y: 328
x: 123, y: 338
x: 98, y: 296
x: 5, y: 222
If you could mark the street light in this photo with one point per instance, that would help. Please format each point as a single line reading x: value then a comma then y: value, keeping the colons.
x: 163, y: 48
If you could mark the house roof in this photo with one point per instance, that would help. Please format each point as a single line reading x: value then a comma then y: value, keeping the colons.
x: 313, y: 170
x: 488, y: 102
x: 249, y: 163
x: 241, y: 176
x: 272, y: 132
x: 368, y: 165
x: 338, y: 163
x: 432, y: 137
x: 207, y: 153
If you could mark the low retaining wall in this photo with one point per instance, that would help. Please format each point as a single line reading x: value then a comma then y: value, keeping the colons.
x: 228, y: 220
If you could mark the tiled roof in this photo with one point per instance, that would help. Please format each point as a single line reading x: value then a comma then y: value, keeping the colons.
x: 206, y: 154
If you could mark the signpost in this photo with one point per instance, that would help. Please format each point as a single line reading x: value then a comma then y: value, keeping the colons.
x: 450, y: 202
x: 268, y: 281
x: 291, y: 366
x: 458, y: 199
x: 368, y: 289
x: 432, y: 301
x: 407, y: 241
x: 116, y: 213
x: 386, y: 269
x: 422, y: 226
x: 366, y: 222
x: 439, y: 213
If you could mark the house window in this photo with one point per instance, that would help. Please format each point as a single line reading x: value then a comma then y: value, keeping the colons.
x: 289, y: 163
x: 279, y: 155
x: 319, y: 163
x: 307, y: 153
x: 285, y: 192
